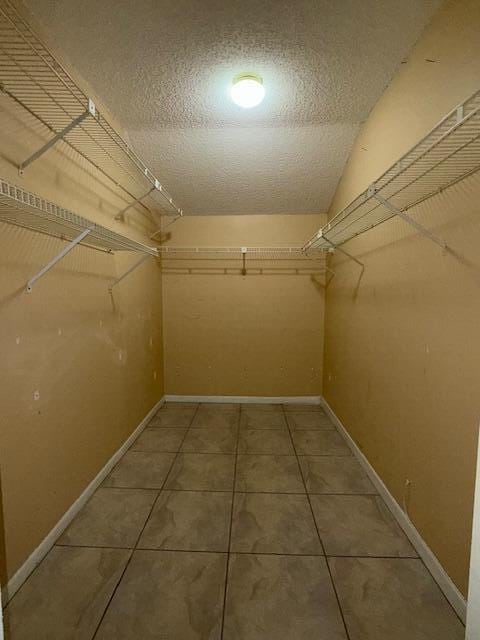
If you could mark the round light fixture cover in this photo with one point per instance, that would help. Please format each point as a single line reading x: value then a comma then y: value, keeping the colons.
x: 247, y: 90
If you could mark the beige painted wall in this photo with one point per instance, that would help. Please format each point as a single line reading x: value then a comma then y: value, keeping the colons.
x: 228, y: 334
x: 402, y: 349
x: 95, y: 359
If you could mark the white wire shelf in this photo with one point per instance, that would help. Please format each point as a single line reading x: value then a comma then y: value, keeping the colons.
x: 243, y: 261
x: 239, y: 253
x: 447, y: 154
x: 32, y: 77
x: 24, y: 209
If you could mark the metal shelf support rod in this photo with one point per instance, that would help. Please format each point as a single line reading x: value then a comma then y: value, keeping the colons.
x: 121, y: 214
x: 128, y: 272
x: 345, y: 253
x: 59, y: 136
x: 420, y: 228
x: 71, y: 245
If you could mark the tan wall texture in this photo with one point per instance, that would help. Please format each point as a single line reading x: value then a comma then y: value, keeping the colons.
x: 257, y: 335
x: 92, y: 357
x: 402, y: 349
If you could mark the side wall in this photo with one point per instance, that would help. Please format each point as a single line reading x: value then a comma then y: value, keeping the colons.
x: 402, y: 349
x: 252, y: 335
x: 79, y: 368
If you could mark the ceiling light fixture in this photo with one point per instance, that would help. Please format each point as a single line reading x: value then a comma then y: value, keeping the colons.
x: 247, y: 90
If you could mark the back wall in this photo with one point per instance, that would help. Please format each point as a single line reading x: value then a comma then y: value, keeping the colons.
x: 234, y: 334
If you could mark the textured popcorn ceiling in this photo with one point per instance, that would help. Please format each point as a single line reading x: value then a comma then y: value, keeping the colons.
x: 163, y: 67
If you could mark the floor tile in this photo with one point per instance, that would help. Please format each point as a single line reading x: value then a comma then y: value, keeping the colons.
x: 276, y: 474
x: 163, y: 440
x: 111, y: 518
x: 180, y: 405
x: 66, y: 595
x: 213, y: 419
x: 168, y: 595
x: 172, y: 418
x: 281, y: 598
x: 320, y: 443
x: 359, y: 526
x: 391, y: 598
x: 274, y: 441
x: 211, y: 440
x: 202, y: 471
x: 309, y: 420
x: 189, y: 520
x: 273, y: 523
x: 302, y: 407
x: 334, y: 474
x: 220, y: 406
x: 261, y: 406
x: 140, y: 470
x: 251, y: 419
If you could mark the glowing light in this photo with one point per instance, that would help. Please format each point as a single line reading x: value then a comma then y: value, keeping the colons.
x: 247, y: 90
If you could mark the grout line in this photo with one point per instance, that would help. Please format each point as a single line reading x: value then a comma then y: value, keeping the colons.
x: 151, y: 451
x: 245, y: 453
x: 318, y: 534
x: 286, y: 493
x: 241, y: 553
x: 176, y: 490
x: 92, y: 546
x: 141, y: 531
x: 230, y: 527
x: 210, y: 453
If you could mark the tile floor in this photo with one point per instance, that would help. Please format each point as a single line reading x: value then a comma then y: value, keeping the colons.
x: 249, y: 522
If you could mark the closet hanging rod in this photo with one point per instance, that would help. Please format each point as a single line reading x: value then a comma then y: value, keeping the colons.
x: 34, y: 79
x: 447, y: 154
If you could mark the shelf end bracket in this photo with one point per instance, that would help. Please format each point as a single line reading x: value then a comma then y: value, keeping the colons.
x: 129, y: 271
x: 71, y: 245
x: 398, y: 212
x: 90, y: 111
x: 121, y: 214
x: 345, y: 253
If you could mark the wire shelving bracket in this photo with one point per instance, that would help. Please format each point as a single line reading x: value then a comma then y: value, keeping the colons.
x: 33, y: 79
x: 401, y: 214
x: 57, y: 137
x: 447, y: 154
x: 127, y: 272
x: 71, y: 245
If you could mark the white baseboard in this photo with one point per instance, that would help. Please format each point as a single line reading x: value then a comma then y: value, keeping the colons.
x: 247, y: 399
x: 439, y: 574
x: 47, y: 543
